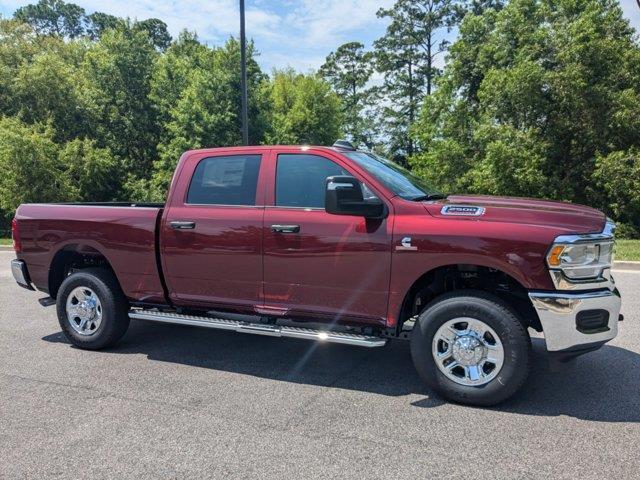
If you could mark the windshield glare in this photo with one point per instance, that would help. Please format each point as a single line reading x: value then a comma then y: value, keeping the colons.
x: 397, y: 179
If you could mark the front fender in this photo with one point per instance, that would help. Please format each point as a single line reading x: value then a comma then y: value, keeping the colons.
x: 515, y: 249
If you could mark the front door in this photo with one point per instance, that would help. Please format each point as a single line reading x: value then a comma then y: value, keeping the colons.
x: 331, y: 267
x: 212, y: 233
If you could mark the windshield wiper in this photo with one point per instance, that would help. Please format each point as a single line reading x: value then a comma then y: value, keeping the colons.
x: 431, y: 196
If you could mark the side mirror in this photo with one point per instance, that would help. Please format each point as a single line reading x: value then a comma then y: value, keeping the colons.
x: 343, y: 196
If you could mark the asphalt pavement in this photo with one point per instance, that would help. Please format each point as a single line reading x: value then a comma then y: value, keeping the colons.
x: 183, y: 402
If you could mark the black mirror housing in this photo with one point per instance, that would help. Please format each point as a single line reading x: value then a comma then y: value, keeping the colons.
x: 343, y: 196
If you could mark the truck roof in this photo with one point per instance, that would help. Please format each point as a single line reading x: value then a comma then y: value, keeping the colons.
x: 335, y: 148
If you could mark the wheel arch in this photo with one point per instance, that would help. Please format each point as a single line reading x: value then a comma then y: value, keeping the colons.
x: 468, y: 276
x: 73, y: 256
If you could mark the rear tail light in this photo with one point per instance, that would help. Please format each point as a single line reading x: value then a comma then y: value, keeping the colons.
x: 15, y: 235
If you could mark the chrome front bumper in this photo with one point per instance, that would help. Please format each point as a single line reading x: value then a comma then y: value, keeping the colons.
x: 558, y: 313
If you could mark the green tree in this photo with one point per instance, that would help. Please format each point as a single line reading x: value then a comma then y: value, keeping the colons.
x: 172, y: 73
x: 16, y: 48
x: 157, y: 32
x: 406, y: 55
x: 117, y: 73
x: 53, y: 17
x: 19, y: 48
x: 200, y: 106
x: 92, y: 173
x: 108, y: 113
x: 46, y: 90
x: 531, y: 96
x: 617, y: 186
x: 29, y: 165
x: 98, y: 23
x: 203, y: 117
x: 305, y: 110
x: 478, y: 7
x: 258, y: 107
x: 349, y: 71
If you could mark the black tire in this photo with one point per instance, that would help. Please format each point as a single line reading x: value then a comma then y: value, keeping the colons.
x: 494, y: 313
x: 114, y: 307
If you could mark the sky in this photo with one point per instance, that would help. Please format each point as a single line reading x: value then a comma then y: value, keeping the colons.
x: 296, y: 33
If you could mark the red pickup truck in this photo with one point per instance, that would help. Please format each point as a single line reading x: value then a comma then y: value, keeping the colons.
x: 335, y: 245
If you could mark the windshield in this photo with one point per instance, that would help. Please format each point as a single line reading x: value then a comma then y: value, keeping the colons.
x: 397, y: 179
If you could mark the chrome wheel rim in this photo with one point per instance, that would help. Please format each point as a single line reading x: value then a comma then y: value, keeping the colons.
x: 468, y: 351
x: 84, y: 311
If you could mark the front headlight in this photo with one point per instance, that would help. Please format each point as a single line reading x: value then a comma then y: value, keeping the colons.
x: 583, y: 260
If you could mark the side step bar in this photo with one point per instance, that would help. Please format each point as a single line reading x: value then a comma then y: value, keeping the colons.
x: 260, y: 328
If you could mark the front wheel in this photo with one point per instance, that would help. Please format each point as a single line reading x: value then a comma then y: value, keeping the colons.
x: 92, y: 310
x: 470, y: 348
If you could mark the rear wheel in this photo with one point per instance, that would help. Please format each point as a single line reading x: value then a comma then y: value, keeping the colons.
x: 470, y: 348
x: 92, y: 310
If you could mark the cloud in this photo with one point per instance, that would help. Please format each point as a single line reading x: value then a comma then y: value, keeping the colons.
x: 330, y: 23
x: 309, y: 29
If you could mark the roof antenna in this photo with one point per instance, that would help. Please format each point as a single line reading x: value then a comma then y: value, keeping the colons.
x: 344, y: 144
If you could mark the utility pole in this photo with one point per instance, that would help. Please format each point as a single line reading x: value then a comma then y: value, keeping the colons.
x: 243, y: 78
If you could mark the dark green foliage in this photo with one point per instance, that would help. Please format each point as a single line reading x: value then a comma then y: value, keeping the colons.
x: 156, y: 31
x: 116, y: 83
x: 53, y: 17
x: 196, y: 92
x: 29, y: 166
x: 68, y: 20
x: 91, y: 172
x: 100, y: 108
x: 98, y: 23
x: 539, y: 99
x: 304, y: 110
x: 349, y: 71
x: 617, y: 188
x: 406, y: 55
x: 45, y: 90
x: 536, y: 98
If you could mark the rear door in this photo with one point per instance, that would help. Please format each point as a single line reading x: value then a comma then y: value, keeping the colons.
x: 331, y: 267
x: 211, y: 234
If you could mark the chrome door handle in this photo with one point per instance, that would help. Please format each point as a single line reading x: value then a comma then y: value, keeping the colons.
x: 180, y: 225
x: 285, y: 228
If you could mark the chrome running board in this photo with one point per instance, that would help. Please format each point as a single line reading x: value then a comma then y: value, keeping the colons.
x: 260, y: 328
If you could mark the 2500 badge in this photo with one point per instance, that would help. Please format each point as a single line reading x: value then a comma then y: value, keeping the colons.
x: 462, y: 210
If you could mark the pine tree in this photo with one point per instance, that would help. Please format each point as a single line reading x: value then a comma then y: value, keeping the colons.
x: 407, y: 55
x: 349, y: 71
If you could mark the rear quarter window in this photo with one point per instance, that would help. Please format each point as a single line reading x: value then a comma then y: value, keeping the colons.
x: 228, y: 180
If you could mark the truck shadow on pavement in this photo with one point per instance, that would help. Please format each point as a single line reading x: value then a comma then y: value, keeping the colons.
x: 602, y: 386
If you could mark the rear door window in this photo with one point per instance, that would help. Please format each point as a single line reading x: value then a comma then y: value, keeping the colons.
x: 228, y: 180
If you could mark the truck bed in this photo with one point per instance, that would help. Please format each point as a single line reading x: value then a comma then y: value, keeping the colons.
x: 123, y: 233
x: 109, y: 204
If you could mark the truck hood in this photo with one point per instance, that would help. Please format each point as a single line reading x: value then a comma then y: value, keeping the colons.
x: 565, y: 216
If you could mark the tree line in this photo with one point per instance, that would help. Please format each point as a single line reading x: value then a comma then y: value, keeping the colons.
x: 537, y: 98
x: 532, y: 98
x: 100, y: 108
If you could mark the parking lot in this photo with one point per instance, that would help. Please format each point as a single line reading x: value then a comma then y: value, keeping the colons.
x: 174, y: 402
